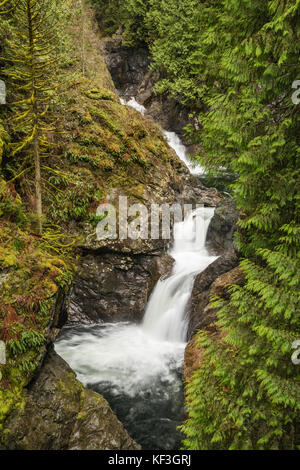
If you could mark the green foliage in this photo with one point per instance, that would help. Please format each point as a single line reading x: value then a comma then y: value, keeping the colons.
x: 11, y: 206
x: 246, y: 394
x: 131, y: 13
x: 28, y: 340
x: 29, y: 54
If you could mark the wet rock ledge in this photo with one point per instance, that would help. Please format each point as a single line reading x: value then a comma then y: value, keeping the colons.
x: 114, y: 286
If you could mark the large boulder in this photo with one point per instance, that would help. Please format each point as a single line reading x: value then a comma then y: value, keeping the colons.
x: 60, y: 414
x: 223, y: 226
x: 114, y: 286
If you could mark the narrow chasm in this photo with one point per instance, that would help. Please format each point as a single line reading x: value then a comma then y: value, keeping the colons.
x: 138, y: 367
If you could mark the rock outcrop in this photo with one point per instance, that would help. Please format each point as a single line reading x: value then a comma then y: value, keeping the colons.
x: 220, y: 234
x: 204, y: 315
x: 115, y: 286
x: 60, y: 414
x: 129, y: 68
x: 199, y: 315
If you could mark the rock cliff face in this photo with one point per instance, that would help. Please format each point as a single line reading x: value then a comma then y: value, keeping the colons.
x: 206, y: 317
x: 129, y: 68
x: 199, y: 316
x: 221, y: 231
x: 115, y: 287
x: 116, y: 277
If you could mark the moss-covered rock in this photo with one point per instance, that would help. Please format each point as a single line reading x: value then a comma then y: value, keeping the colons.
x: 59, y: 413
x: 101, y: 94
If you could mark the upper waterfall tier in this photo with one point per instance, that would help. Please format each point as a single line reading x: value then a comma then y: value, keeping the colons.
x: 165, y: 314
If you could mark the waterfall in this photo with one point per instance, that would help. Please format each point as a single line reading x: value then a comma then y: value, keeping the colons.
x: 173, y: 140
x: 134, y: 104
x: 129, y: 356
x: 137, y: 367
x: 165, y: 313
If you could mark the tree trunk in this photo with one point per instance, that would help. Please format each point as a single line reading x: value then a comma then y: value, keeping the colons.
x: 36, y: 145
x: 38, y: 188
x: 83, y: 37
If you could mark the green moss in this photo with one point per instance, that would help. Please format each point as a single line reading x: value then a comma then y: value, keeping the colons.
x: 27, y: 292
x: 9, y: 401
x: 100, y: 94
x: 105, y: 119
x: 11, y: 205
x: 4, y: 138
x: 82, y: 415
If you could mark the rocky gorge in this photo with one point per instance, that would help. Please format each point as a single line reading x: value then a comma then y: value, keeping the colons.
x: 115, y: 279
x: 131, y: 73
x: 149, y: 227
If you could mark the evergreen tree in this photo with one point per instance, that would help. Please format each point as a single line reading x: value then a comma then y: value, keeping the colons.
x: 246, y: 394
x: 30, y: 58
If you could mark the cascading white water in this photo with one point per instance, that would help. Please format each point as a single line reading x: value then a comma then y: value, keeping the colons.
x: 134, y: 104
x: 173, y: 140
x: 137, y: 367
x: 130, y: 356
x: 165, y: 313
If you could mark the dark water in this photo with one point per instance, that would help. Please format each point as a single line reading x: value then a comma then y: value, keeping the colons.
x: 221, y: 181
x: 151, y: 416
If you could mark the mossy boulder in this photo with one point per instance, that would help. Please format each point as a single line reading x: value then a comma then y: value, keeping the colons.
x: 58, y: 413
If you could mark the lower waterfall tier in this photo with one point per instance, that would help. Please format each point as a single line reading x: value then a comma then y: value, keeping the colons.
x: 139, y: 375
